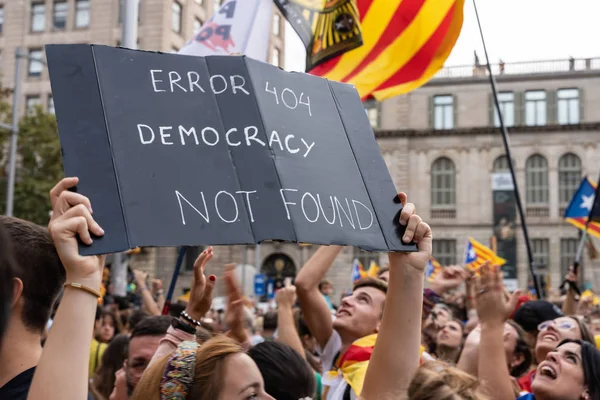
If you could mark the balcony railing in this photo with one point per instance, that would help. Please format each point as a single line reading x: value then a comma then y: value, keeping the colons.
x: 443, y: 213
x: 521, y: 68
x: 538, y: 211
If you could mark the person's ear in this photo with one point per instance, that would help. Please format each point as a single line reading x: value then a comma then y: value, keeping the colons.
x: 17, y: 292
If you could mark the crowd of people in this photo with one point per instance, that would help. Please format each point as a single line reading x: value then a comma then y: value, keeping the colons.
x: 463, y: 337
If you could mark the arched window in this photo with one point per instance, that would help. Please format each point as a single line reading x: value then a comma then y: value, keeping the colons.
x: 536, y: 183
x: 443, y: 188
x: 501, y: 164
x: 569, y: 177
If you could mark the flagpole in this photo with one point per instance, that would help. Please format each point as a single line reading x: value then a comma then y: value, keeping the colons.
x: 511, y: 167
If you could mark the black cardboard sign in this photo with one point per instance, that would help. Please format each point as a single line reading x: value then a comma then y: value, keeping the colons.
x: 178, y: 150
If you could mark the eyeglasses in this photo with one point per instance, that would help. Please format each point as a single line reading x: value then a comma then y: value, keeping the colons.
x: 564, y: 325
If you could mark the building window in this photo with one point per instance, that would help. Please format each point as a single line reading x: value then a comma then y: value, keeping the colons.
x: 568, y: 106
x: 197, y: 25
x: 38, y: 17
x: 31, y: 102
x: 51, y: 105
x: 536, y: 183
x: 82, y: 13
x: 372, y: 110
x: 568, y: 250
x: 35, y: 67
x: 501, y: 164
x: 275, y: 57
x: 444, y: 251
x: 443, y: 112
x: 569, y: 178
x: 60, y: 15
x: 176, y: 17
x: 541, y: 252
x: 276, y: 25
x: 507, y: 106
x: 535, y: 107
x: 1, y: 18
x: 443, y: 188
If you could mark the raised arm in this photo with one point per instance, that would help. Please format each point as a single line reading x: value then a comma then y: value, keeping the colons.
x: 147, y: 299
x: 316, y: 311
x: 396, y: 355
x: 494, y: 310
x: 62, y: 372
x: 286, y: 326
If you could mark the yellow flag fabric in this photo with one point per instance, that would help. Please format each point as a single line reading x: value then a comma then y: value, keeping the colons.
x: 405, y: 42
x: 476, y: 254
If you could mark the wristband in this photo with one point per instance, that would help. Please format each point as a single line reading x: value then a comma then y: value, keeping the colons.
x: 189, y: 319
x: 79, y: 286
x: 177, y: 324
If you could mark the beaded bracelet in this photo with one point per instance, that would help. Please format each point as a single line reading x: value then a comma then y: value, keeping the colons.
x: 189, y: 319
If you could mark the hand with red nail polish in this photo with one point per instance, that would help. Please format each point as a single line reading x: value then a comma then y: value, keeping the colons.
x: 202, y: 289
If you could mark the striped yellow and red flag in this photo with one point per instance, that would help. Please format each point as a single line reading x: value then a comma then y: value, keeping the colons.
x: 405, y: 42
x: 476, y: 254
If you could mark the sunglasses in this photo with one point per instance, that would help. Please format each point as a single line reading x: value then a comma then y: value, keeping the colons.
x: 565, y: 325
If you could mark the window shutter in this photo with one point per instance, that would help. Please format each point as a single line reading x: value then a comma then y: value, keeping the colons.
x: 455, y: 111
x: 431, y: 116
x: 551, y: 117
x: 581, y: 94
x: 519, y: 108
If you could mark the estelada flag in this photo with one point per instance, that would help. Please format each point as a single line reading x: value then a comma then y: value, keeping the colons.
x: 581, y: 206
x: 432, y: 269
x: 404, y: 42
x: 476, y: 254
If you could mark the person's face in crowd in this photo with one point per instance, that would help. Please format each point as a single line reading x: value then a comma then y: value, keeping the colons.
x: 595, y: 326
x: 560, y: 375
x: 385, y: 276
x: 450, y: 335
x: 249, y: 385
x: 360, y: 313
x: 105, y: 329
x: 327, y: 289
x: 552, y: 332
x: 511, y: 336
x: 141, y: 350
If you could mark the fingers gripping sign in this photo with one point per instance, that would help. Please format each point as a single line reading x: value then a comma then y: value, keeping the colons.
x: 416, y: 231
x: 72, y: 218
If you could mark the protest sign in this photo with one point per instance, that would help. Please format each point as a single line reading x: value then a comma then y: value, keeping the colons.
x: 177, y: 150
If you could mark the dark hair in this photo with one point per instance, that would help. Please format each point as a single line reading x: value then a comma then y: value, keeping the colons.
x: 135, y: 318
x: 7, y: 273
x: 295, y: 381
x: 382, y: 271
x: 323, y: 283
x: 270, y: 321
x: 112, y: 315
x: 586, y: 335
x: 38, y: 267
x: 111, y: 362
x: 175, y: 309
x: 303, y: 328
x: 590, y: 360
x: 152, y: 326
x: 522, y: 347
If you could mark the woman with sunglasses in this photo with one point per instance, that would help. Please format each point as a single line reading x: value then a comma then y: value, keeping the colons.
x: 569, y: 369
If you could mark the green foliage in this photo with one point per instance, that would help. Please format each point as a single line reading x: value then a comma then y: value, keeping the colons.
x: 39, y: 166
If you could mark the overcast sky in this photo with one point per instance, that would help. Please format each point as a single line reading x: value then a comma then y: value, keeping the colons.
x: 515, y: 30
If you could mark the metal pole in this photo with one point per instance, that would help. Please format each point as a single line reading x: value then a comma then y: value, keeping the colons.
x: 14, y: 131
x: 169, y: 297
x: 505, y: 139
x: 129, y: 40
x: 130, y: 23
x: 257, y: 257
